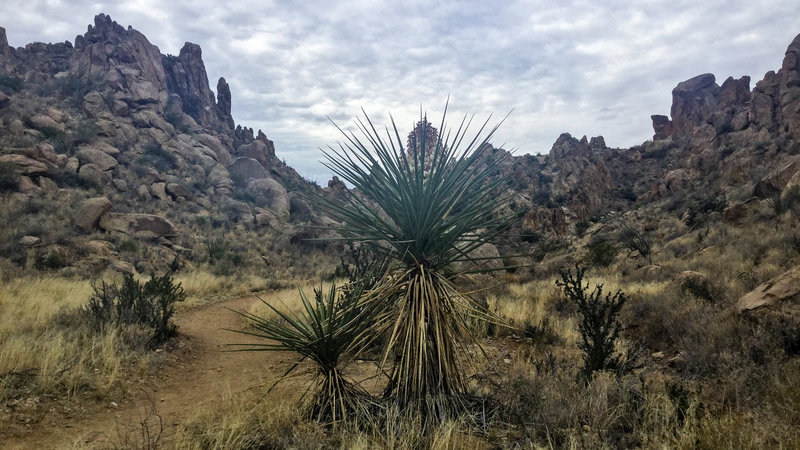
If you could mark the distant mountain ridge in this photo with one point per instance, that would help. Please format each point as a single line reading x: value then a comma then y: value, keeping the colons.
x: 122, y: 139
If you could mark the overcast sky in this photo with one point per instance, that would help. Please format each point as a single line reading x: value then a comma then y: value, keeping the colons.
x: 583, y: 67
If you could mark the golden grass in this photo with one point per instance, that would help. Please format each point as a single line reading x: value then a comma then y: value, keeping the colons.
x: 259, y: 420
x: 287, y: 299
x: 58, y: 359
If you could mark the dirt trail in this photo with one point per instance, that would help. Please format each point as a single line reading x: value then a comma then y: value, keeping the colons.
x: 193, y: 379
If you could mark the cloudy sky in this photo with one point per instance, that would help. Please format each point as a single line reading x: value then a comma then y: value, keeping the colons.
x: 583, y: 67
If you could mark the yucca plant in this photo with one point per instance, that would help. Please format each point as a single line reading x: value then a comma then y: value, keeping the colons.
x: 326, y: 331
x: 426, y: 207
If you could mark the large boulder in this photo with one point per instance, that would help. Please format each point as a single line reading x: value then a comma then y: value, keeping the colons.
x: 93, y: 174
x: 101, y: 159
x: 94, y: 104
x: 177, y: 191
x: 247, y: 168
x: 42, y: 121
x: 145, y: 226
x: 223, y: 156
x: 262, y: 150
x: 774, y: 293
x: 90, y: 212
x: 694, y: 101
x: 26, y: 165
x: 269, y: 193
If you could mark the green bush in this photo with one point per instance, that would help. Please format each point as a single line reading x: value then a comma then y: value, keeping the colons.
x: 157, y: 156
x: 599, y: 327
x: 581, y: 227
x: 51, y: 259
x: 9, y: 176
x: 128, y: 245
x: 11, y: 84
x: 151, y: 305
x: 601, y: 254
x: 702, y: 206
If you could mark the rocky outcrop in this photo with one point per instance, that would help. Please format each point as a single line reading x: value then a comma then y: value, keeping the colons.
x: 122, y: 58
x: 26, y: 165
x: 145, y: 226
x: 245, y: 168
x: 772, y: 294
x: 270, y: 194
x: 90, y: 212
x: 101, y: 159
x: 186, y: 76
x: 580, y: 173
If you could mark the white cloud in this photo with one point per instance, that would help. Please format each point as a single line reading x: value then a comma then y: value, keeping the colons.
x: 576, y: 66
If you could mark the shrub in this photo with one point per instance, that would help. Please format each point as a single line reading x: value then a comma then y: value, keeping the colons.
x: 328, y: 332
x: 599, y: 327
x: 11, y: 83
x: 700, y: 208
x: 157, y: 156
x: 151, y: 305
x: 601, y: 254
x: 636, y: 242
x: 128, y: 245
x: 9, y: 176
x: 581, y: 227
x: 50, y: 259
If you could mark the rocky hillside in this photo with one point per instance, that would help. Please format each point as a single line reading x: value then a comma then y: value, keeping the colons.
x: 112, y: 153
x: 107, y: 141
x: 730, y: 142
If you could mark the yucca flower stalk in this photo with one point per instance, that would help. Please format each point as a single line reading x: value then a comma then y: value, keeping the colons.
x: 326, y: 331
x: 425, y: 208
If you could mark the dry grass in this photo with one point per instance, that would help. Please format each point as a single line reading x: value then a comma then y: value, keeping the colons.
x: 259, y: 420
x: 202, y: 286
x: 44, y: 351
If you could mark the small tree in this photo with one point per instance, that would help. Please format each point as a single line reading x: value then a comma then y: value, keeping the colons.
x: 599, y: 326
x: 629, y: 237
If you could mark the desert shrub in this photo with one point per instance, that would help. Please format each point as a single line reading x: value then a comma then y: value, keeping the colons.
x: 700, y: 288
x: 85, y: 132
x: 155, y: 155
x: 431, y: 210
x: 128, y: 245
x: 581, y: 227
x: 73, y: 89
x: 702, y: 206
x: 543, y: 333
x: 599, y: 326
x: 629, y: 237
x: 151, y: 304
x: 328, y: 331
x: 601, y: 253
x: 543, y: 199
x: 11, y: 83
x: 49, y: 260
x: 9, y: 176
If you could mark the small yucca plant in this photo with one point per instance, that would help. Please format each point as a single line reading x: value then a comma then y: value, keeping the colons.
x: 326, y: 331
x: 425, y: 207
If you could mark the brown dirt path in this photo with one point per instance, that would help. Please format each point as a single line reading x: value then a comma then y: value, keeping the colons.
x: 194, y: 378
